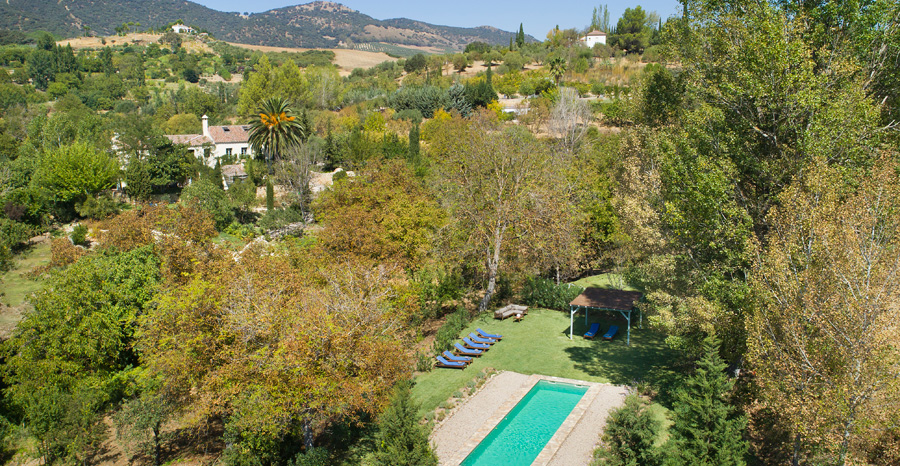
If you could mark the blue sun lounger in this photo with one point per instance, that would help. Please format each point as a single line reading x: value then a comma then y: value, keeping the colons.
x: 441, y: 362
x: 460, y: 349
x: 484, y: 341
x: 452, y: 357
x: 592, y: 332
x: 613, y: 330
x: 471, y: 344
x: 488, y: 335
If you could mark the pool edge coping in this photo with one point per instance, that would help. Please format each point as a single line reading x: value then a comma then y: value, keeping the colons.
x: 555, y: 442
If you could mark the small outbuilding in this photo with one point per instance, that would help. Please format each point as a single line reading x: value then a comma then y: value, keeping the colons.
x: 602, y: 299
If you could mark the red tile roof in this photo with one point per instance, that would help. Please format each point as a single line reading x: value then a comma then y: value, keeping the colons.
x: 229, y: 134
x: 596, y: 33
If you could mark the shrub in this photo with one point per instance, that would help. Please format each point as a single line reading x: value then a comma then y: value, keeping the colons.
x: 449, y: 332
x: 409, y: 114
x: 423, y: 362
x: 79, y: 234
x: 98, y: 208
x: 542, y: 292
x: 316, y: 456
x: 63, y: 252
x: 278, y: 218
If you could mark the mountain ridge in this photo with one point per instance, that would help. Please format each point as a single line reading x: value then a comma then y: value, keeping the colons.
x: 319, y: 24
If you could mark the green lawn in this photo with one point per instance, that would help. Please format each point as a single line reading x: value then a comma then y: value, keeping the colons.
x: 540, y: 344
x: 16, y: 285
x: 605, y: 280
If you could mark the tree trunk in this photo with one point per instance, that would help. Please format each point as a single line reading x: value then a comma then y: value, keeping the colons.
x: 307, y: 435
x: 493, y: 264
x: 795, y: 460
x: 156, y: 447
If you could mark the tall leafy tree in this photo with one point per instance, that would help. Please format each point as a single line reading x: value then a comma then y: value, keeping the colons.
x: 494, y: 182
x: 69, y: 359
x: 823, y: 337
x: 707, y: 430
x: 275, y: 129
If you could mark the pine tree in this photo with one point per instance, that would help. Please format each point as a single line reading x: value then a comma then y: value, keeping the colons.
x: 630, y: 435
x: 707, y: 430
x: 400, y: 439
x: 520, y: 37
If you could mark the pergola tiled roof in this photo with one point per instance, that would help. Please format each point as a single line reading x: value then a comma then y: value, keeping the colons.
x: 604, y: 299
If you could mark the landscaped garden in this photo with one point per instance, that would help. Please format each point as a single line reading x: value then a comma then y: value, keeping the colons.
x: 540, y: 344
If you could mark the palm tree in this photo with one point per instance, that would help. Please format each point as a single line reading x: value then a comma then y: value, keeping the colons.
x: 557, y: 68
x: 275, y: 130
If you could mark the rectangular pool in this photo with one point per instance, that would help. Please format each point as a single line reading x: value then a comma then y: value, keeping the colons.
x: 519, y: 438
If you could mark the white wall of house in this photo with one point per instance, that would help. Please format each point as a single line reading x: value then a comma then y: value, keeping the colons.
x: 591, y: 40
x: 237, y: 149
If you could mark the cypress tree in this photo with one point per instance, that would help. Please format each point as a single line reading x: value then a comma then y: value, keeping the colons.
x: 330, y: 152
x: 413, y: 154
x: 400, y: 440
x: 270, y: 195
x: 707, y: 430
x: 520, y: 37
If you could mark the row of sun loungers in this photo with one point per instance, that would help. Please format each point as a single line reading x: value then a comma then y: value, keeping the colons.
x: 473, y: 345
x: 595, y: 328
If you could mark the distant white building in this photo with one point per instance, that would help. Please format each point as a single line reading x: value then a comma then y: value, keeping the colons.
x: 182, y: 29
x: 217, y: 142
x: 594, y: 37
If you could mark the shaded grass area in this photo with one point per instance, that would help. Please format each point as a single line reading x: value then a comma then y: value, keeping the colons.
x: 540, y: 344
x: 16, y: 284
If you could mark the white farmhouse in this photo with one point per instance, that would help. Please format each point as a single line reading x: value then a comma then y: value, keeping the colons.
x: 594, y: 37
x: 216, y: 142
x: 182, y: 29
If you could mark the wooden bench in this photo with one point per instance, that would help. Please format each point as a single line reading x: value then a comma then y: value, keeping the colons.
x: 510, y: 310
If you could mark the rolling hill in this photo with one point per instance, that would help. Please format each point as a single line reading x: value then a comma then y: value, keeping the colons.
x: 313, y: 25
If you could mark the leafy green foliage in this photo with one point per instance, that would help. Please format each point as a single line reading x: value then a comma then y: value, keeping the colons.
x: 425, y: 99
x: 75, y: 171
x: 449, y: 332
x: 69, y: 358
x: 212, y: 199
x: 542, y: 292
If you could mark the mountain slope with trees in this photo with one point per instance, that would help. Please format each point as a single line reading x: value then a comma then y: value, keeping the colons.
x: 317, y: 24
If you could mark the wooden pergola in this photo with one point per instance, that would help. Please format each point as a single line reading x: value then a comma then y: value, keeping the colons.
x: 602, y: 299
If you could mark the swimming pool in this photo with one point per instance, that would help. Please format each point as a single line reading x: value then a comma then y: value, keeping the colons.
x: 519, y: 438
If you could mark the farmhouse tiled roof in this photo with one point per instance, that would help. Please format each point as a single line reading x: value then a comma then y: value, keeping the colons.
x: 229, y: 134
x: 595, y: 33
x: 189, y: 139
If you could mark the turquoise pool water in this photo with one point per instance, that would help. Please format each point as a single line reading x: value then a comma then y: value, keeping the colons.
x: 519, y: 438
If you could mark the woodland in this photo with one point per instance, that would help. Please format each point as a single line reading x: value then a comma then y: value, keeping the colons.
x: 738, y: 164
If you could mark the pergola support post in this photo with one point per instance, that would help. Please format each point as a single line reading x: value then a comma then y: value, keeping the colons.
x: 571, y: 321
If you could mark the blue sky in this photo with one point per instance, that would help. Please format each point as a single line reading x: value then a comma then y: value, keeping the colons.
x: 537, y: 17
